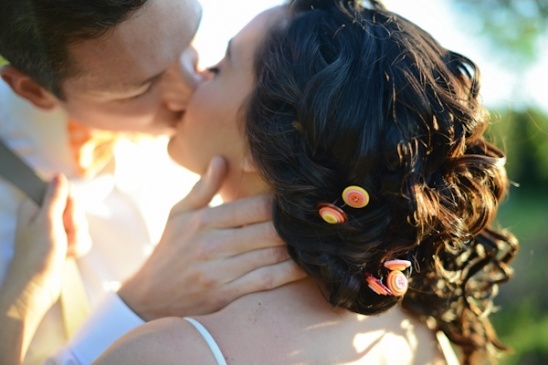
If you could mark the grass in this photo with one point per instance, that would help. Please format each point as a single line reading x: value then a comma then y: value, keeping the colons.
x: 524, y: 328
x: 522, y: 322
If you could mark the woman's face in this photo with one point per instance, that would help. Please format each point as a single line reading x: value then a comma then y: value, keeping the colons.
x: 214, y: 123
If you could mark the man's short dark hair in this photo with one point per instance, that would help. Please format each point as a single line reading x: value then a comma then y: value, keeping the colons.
x: 35, y: 34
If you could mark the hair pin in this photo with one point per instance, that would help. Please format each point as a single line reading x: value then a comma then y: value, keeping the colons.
x: 331, y: 213
x: 396, y: 282
x: 354, y: 196
x: 376, y: 285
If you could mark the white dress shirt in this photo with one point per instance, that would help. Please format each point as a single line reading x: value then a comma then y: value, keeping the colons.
x: 126, y: 211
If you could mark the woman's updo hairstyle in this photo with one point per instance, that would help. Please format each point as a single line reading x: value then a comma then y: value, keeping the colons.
x: 354, y: 95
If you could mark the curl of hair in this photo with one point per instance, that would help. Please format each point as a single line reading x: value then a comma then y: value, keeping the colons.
x: 349, y: 95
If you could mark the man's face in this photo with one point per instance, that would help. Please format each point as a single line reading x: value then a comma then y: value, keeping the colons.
x: 139, y: 76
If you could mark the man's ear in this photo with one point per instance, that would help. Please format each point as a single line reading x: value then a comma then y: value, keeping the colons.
x: 26, y: 88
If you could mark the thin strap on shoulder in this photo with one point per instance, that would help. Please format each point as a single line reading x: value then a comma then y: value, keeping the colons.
x: 209, y: 339
x: 447, y: 349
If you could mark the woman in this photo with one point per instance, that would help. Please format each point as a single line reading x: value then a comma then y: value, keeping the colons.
x: 369, y: 135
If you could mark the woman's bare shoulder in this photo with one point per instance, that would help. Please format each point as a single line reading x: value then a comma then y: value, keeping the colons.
x: 164, y: 341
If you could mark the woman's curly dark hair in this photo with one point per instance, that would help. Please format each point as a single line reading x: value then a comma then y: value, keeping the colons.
x: 355, y: 95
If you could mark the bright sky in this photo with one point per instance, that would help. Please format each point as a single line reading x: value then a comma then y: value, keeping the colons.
x: 224, y: 18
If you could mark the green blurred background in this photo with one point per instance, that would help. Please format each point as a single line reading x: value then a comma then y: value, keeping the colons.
x: 515, y: 31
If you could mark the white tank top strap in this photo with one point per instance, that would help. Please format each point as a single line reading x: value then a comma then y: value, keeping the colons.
x: 209, y: 340
x: 447, y: 349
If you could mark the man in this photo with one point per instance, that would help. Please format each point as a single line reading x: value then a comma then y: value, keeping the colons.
x: 76, y: 70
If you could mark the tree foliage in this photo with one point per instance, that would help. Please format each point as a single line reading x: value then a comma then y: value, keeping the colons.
x: 515, y: 28
x: 523, y: 134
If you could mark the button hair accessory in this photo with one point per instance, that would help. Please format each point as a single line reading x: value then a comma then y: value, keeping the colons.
x: 353, y: 196
x: 331, y: 213
x: 396, y: 282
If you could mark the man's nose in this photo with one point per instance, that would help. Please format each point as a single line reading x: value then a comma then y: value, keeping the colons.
x: 181, y: 80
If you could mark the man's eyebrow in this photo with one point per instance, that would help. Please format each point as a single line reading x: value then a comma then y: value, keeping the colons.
x: 127, y: 87
x: 123, y: 88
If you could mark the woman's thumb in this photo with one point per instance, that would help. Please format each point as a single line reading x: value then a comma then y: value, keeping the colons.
x: 205, y: 189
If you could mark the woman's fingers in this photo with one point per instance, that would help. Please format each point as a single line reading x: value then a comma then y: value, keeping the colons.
x: 264, y: 277
x: 242, y: 212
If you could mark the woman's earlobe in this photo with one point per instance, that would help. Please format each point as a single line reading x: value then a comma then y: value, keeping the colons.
x: 27, y: 88
x: 248, y: 164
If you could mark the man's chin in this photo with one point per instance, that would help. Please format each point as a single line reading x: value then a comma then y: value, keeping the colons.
x: 165, y: 130
x: 169, y: 132
x: 151, y: 133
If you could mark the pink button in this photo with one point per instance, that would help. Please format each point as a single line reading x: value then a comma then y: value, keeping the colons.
x: 397, y: 264
x: 332, y: 214
x: 355, y: 196
x: 376, y: 285
x: 397, y: 283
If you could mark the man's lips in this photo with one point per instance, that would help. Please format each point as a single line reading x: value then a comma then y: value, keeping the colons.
x: 176, y: 120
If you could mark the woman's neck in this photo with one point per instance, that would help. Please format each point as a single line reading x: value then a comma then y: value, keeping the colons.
x: 240, y: 184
